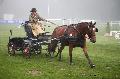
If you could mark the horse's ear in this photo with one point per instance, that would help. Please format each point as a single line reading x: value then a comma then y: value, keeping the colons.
x: 91, y: 23
x: 96, y: 29
x: 94, y: 23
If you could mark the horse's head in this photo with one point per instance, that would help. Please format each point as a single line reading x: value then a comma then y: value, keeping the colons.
x: 91, y: 32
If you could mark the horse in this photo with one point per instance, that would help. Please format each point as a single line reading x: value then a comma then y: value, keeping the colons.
x: 73, y: 35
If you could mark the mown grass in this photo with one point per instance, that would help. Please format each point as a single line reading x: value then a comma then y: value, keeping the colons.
x: 104, y: 53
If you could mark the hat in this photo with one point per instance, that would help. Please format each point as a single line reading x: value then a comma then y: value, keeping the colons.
x: 33, y: 10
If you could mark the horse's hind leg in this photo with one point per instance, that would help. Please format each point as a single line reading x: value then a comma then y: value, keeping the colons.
x: 59, y: 51
x: 51, y: 48
x: 89, y: 60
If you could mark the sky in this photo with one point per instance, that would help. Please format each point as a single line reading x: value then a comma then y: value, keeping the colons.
x: 105, y: 10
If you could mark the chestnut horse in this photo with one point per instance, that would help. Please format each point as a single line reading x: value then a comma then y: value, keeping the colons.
x: 73, y: 35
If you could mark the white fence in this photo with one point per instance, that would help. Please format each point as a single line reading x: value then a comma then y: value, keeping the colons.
x: 115, y: 25
x: 64, y: 21
x: 112, y: 23
x: 115, y: 34
x: 68, y: 21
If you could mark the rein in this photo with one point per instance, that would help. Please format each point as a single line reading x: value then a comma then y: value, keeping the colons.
x: 76, y: 28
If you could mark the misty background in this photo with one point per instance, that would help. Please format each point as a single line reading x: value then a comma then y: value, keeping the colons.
x: 102, y: 10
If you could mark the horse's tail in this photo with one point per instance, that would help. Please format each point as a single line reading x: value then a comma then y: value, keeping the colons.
x: 54, y: 40
x: 52, y: 47
x: 56, y: 35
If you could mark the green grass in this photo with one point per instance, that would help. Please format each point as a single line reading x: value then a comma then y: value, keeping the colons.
x: 104, y: 53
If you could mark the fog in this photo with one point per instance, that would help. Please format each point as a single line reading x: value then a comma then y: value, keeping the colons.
x: 105, y: 10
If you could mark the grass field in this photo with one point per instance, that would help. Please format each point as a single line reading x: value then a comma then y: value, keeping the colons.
x: 105, y: 54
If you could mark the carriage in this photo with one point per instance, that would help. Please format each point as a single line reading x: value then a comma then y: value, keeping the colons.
x: 29, y: 44
x: 73, y: 35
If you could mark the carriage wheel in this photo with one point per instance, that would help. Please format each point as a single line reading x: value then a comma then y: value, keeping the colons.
x: 26, y: 52
x: 11, y: 50
x: 40, y: 50
x: 37, y: 50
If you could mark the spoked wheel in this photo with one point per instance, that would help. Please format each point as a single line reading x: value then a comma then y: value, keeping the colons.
x: 37, y: 49
x: 26, y: 52
x: 11, y: 50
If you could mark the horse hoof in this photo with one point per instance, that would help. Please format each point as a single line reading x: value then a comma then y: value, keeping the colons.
x: 92, y: 66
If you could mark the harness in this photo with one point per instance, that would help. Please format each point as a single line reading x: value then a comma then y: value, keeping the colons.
x: 74, y: 28
x: 73, y: 39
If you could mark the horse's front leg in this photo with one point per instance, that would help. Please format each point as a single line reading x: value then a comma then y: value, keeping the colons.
x: 88, y: 58
x: 70, y: 52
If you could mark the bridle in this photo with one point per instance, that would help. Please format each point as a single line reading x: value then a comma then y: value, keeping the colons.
x: 88, y: 27
x: 91, y: 30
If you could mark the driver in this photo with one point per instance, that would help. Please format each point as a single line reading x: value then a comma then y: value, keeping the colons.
x: 34, y: 22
